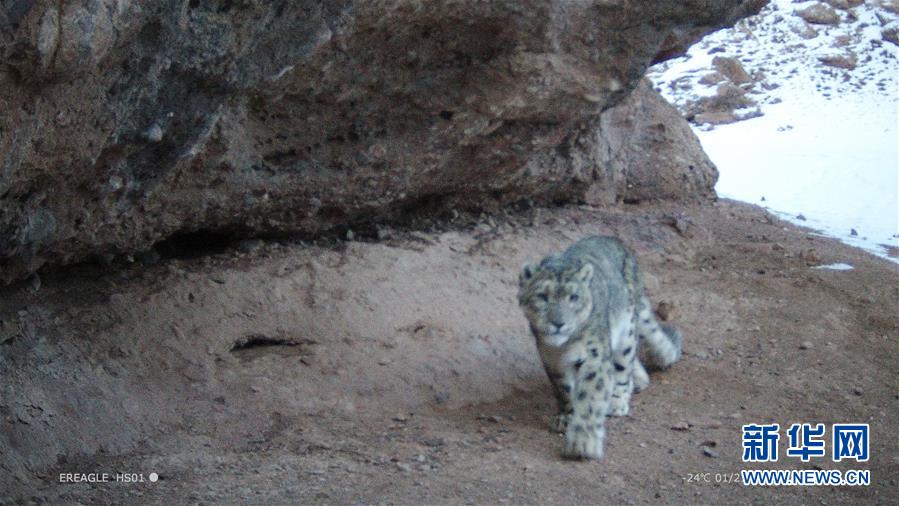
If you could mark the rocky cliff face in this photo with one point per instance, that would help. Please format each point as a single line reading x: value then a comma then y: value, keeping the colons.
x: 123, y: 123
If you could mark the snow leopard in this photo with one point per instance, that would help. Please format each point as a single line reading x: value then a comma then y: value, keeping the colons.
x: 589, y: 313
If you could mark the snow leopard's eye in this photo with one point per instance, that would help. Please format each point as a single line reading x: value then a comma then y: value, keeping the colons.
x: 573, y: 297
x: 542, y: 297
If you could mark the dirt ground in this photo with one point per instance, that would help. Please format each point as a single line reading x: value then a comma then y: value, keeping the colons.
x: 401, y: 371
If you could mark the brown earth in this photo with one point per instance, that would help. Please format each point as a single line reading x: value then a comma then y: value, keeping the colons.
x: 401, y: 371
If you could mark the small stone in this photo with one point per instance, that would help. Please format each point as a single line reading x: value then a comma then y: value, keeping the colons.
x: 402, y: 466
x: 708, y: 452
x: 810, y: 256
x: 805, y: 345
x: 858, y: 391
x: 665, y: 310
x: 154, y: 133
x: 350, y: 235
x: 800, y: 217
x: 681, y: 426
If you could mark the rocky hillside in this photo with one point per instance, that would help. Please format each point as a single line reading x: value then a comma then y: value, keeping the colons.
x: 841, y: 46
x: 820, y: 81
x: 125, y: 123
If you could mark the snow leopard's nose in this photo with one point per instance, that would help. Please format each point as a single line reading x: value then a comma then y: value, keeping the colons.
x: 557, y: 326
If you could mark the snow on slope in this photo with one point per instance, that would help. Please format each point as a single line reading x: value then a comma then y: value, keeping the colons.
x: 823, y: 153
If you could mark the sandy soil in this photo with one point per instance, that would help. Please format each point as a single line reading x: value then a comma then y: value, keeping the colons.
x: 401, y: 370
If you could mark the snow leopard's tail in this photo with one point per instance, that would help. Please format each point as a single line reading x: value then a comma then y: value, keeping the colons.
x: 662, y: 343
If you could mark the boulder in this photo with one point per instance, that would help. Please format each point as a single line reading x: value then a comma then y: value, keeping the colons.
x: 841, y: 41
x: 715, y: 118
x: 839, y: 4
x: 804, y: 30
x: 647, y: 141
x: 711, y: 78
x: 728, y: 97
x: 846, y: 61
x: 819, y: 14
x: 890, y: 32
x: 888, y: 5
x: 125, y: 123
x: 732, y: 69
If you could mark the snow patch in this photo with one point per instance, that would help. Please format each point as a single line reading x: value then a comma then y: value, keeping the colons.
x: 836, y: 267
x: 825, y: 146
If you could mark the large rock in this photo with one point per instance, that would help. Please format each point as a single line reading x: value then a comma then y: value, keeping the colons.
x: 640, y: 149
x: 126, y: 122
x: 890, y: 32
x: 732, y: 69
x: 728, y: 97
x: 819, y: 14
x: 646, y: 140
x: 846, y: 61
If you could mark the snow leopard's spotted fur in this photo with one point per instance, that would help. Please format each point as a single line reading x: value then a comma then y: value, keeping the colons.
x: 588, y: 312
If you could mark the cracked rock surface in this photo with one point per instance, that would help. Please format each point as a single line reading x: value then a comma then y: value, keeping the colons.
x: 123, y: 123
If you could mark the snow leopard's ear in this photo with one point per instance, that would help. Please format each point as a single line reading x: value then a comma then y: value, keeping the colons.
x: 585, y: 274
x: 527, y: 274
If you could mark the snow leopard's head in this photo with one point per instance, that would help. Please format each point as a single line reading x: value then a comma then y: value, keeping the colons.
x: 555, y: 298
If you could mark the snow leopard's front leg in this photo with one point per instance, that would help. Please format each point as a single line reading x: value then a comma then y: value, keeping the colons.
x: 586, y: 432
x: 562, y: 387
x: 624, y: 364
